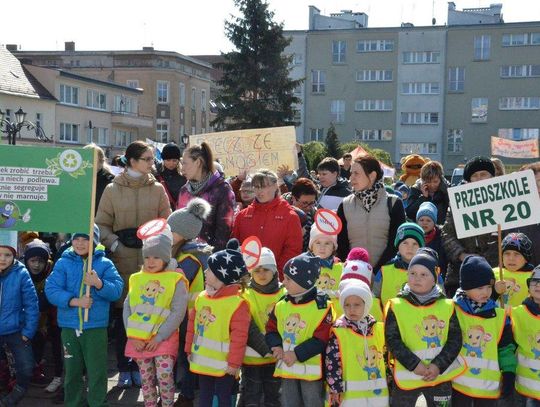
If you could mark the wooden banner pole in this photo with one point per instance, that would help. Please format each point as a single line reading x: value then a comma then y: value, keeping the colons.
x: 91, y: 234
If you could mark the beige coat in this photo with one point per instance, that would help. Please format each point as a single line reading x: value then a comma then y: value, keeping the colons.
x: 129, y: 202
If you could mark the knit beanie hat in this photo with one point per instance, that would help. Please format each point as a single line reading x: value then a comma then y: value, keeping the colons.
x: 518, y: 242
x: 170, y: 151
x: 158, y: 246
x: 535, y: 275
x: 428, y: 258
x: 357, y: 266
x: 303, y: 269
x: 403, y: 188
x: 478, y: 164
x: 409, y: 230
x: 12, y: 249
x: 95, y: 236
x: 427, y: 209
x: 267, y: 260
x: 316, y: 234
x: 475, y: 272
x: 37, y: 248
x: 228, y: 265
x: 188, y: 221
x: 358, y: 288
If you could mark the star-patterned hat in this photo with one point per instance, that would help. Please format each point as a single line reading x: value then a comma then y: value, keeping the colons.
x: 228, y: 265
x: 303, y: 269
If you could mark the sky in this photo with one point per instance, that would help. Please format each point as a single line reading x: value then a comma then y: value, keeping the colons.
x: 196, y: 27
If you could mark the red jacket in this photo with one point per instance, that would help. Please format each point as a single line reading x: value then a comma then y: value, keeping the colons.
x: 276, y: 224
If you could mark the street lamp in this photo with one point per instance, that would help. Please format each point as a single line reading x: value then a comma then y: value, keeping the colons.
x: 185, y: 140
x: 13, y: 128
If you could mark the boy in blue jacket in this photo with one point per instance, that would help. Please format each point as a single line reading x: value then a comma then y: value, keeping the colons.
x: 85, y: 343
x: 19, y: 314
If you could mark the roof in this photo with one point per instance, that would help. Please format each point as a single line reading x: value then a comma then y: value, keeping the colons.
x: 16, y: 80
x: 101, y: 82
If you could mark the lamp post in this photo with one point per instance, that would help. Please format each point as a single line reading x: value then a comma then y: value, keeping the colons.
x: 185, y: 140
x: 13, y: 128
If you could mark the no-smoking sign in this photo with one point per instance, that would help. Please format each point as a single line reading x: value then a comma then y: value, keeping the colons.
x: 152, y: 228
x: 251, y: 251
x: 327, y: 222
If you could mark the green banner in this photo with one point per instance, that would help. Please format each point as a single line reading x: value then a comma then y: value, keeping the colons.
x: 46, y: 189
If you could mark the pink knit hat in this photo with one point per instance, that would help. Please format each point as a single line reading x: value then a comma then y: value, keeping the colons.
x: 357, y: 266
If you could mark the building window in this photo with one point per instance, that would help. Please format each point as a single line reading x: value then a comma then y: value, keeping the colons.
x: 374, y: 75
x: 417, y: 148
x: 519, y: 103
x: 479, y: 110
x: 203, y: 100
x: 373, y: 105
x: 69, y: 132
x: 482, y: 47
x: 454, y: 140
x: 420, y: 118
x: 182, y: 94
x: 375, y: 46
x: 193, y: 130
x: 339, y: 49
x: 193, y: 96
x: 123, y: 138
x: 162, y: 131
x: 96, y: 99
x: 518, y: 134
x: 98, y: 135
x: 132, y: 83
x: 337, y: 111
x: 520, y: 71
x: 163, y: 92
x: 124, y: 104
x: 456, y: 79
x: 373, y: 135
x: 516, y: 40
x: 421, y: 57
x: 69, y: 95
x: 420, y: 88
x: 297, y: 59
x: 318, y: 81
x: 316, y: 134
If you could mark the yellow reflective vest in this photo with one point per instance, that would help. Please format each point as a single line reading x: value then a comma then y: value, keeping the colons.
x: 376, y: 310
x: 296, y: 323
x: 260, y: 306
x: 526, y: 329
x: 150, y: 297
x: 393, y: 279
x: 362, y: 361
x: 481, y: 337
x: 211, y: 338
x: 424, y: 330
x: 197, y: 285
x: 516, y: 287
x: 328, y: 283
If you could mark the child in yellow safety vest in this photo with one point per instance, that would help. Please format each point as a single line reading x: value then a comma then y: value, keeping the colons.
x: 488, y: 346
x: 526, y: 328
x: 258, y: 369
x: 153, y: 309
x: 297, y: 331
x: 218, y: 326
x: 423, y: 337
x: 355, y: 369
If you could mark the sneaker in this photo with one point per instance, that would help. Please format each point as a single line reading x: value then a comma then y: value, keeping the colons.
x: 124, y: 380
x: 54, y: 385
x: 136, y: 378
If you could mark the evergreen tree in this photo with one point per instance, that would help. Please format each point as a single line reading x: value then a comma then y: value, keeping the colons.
x: 256, y: 91
x: 332, y: 143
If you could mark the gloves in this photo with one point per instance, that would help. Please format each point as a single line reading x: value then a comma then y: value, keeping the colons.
x: 507, y: 388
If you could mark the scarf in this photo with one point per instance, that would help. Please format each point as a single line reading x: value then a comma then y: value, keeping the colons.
x: 270, y: 288
x: 133, y: 173
x: 194, y: 187
x: 368, y: 197
x: 473, y: 307
x: 422, y: 298
x: 430, y: 235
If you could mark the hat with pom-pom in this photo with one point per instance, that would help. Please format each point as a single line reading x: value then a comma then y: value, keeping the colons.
x: 188, y: 221
x: 357, y: 266
x: 228, y: 265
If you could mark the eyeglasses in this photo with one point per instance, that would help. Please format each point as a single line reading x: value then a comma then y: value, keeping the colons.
x: 534, y: 283
x: 304, y: 203
x: 147, y: 159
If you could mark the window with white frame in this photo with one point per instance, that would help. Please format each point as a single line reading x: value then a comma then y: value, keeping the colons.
x: 373, y: 105
x: 519, y: 103
x: 182, y: 93
x: 162, y: 132
x: 454, y: 140
x: 69, y: 132
x: 518, y: 134
x: 420, y: 118
x: 374, y: 75
x: 7, y: 115
x: 316, y: 134
x: 520, y: 71
x: 520, y: 39
x: 421, y: 57
x: 98, y: 135
x: 69, y: 95
x: 132, y: 83
x: 193, y: 96
x: 203, y: 100
x: 479, y: 110
x: 163, y: 91
x: 318, y: 81
x: 123, y: 138
x: 482, y: 47
x: 337, y: 111
x: 417, y: 148
x: 124, y: 104
x: 373, y: 135
x: 339, y: 50
x: 375, y: 46
x: 96, y: 99
x: 456, y: 79
x: 420, y: 88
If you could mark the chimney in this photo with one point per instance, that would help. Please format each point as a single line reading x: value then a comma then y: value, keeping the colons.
x: 12, y: 47
x: 147, y: 48
x: 451, y: 5
x: 69, y: 46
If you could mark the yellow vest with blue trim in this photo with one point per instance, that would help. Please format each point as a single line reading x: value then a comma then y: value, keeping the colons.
x: 211, y: 338
x: 427, y: 332
x: 328, y: 283
x: 150, y: 297
x: 260, y: 306
x: 296, y: 323
x: 481, y: 337
x: 364, y: 372
x: 516, y: 287
x: 393, y: 279
x: 197, y: 285
x: 526, y: 329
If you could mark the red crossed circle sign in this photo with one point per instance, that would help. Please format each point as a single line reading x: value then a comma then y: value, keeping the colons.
x: 327, y: 222
x: 151, y: 228
x: 251, y: 251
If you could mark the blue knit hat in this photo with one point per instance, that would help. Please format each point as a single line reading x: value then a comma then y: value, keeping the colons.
x: 304, y: 270
x: 475, y: 272
x: 518, y: 242
x: 428, y: 258
x: 86, y: 236
x: 228, y: 265
x: 409, y: 230
x: 427, y: 209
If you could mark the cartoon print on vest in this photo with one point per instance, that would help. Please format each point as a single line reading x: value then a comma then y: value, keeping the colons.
x: 431, y: 331
x: 475, y: 341
x: 369, y: 364
x: 535, y: 349
x: 293, y: 326
x: 204, y: 318
x: 511, y: 288
x: 325, y: 282
x: 150, y: 290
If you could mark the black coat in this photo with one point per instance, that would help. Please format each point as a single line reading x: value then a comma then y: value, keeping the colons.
x: 103, y: 178
x: 439, y: 199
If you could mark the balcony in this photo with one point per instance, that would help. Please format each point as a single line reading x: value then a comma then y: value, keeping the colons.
x: 131, y: 120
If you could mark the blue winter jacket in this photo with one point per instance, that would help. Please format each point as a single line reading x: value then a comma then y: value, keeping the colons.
x: 19, y: 311
x: 66, y: 282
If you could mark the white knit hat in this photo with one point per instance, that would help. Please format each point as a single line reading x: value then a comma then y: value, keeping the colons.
x: 357, y: 266
x: 358, y: 288
x: 315, y: 234
x: 267, y: 260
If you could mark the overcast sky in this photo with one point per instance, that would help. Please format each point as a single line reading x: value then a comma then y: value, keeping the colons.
x: 196, y: 26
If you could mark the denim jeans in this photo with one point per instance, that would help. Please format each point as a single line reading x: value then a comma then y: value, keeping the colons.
x: 258, y: 381
x: 24, y: 365
x: 298, y: 393
x: 221, y: 387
